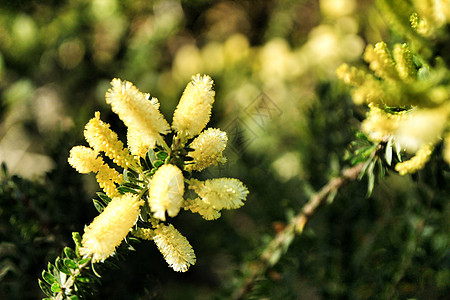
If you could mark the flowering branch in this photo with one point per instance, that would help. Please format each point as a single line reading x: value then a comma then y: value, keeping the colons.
x: 281, y: 242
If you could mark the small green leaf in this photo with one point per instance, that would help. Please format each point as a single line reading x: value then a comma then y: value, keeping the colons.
x: 70, y: 253
x: 104, y: 197
x: 83, y: 261
x: 49, y: 278
x: 161, y: 155
x: 45, y: 288
x: 99, y: 206
x: 61, y: 267
x: 158, y: 163
x: 56, y: 288
x: 124, y: 189
x: 388, y: 153
x: 150, y: 157
x: 70, y: 263
x: 74, y: 297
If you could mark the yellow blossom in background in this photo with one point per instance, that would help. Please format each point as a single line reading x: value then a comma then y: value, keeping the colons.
x: 208, y: 148
x: 166, y: 191
x: 84, y: 159
x: 108, y: 229
x: 101, y: 138
x: 137, y: 112
x: 194, y: 109
x: 417, y: 162
x: 175, y: 248
x: 220, y: 193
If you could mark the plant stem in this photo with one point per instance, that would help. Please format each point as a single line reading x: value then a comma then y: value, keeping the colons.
x: 283, y: 239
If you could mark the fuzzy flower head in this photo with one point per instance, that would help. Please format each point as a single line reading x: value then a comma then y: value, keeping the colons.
x: 138, y: 113
x: 194, y: 109
x: 208, y: 148
x: 221, y: 193
x: 175, y: 248
x: 85, y: 160
x: 166, y: 192
x: 101, y: 138
x: 108, y: 229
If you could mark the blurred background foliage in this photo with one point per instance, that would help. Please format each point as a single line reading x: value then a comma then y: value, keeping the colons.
x: 289, y: 123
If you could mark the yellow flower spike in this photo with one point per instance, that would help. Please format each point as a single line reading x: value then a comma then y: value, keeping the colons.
x: 221, y: 193
x: 136, y: 143
x: 404, y: 63
x: 206, y: 210
x: 102, y: 138
x: 85, y: 160
x: 137, y: 112
x: 381, y: 61
x: 166, y: 192
x: 175, y: 248
x: 208, y: 148
x: 194, y: 109
x: 107, y: 179
x: 417, y: 162
x: 108, y: 229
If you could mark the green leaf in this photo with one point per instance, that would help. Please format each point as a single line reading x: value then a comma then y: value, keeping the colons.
x: 104, y: 197
x: 84, y: 279
x: 161, y: 155
x: 74, y: 297
x: 99, y: 206
x: 83, y: 261
x: 124, y: 189
x: 70, y: 253
x: 158, y: 163
x: 49, y: 278
x: 45, y: 288
x: 388, y: 152
x: 56, y: 288
x: 150, y: 156
x: 70, y: 263
x: 61, y: 267
x: 371, y: 178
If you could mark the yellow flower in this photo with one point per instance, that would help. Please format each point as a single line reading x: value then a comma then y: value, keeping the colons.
x: 108, y: 229
x: 206, y: 210
x: 101, y: 138
x: 107, y: 179
x: 136, y: 143
x: 137, y: 112
x: 208, y: 148
x: 228, y: 193
x: 166, y: 191
x: 194, y: 109
x: 417, y: 162
x: 175, y: 248
x: 85, y: 160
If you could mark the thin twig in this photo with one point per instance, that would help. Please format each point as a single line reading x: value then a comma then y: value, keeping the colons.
x: 283, y: 239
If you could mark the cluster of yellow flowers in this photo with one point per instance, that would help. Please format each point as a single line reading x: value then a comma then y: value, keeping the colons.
x: 408, y: 102
x: 159, y: 189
